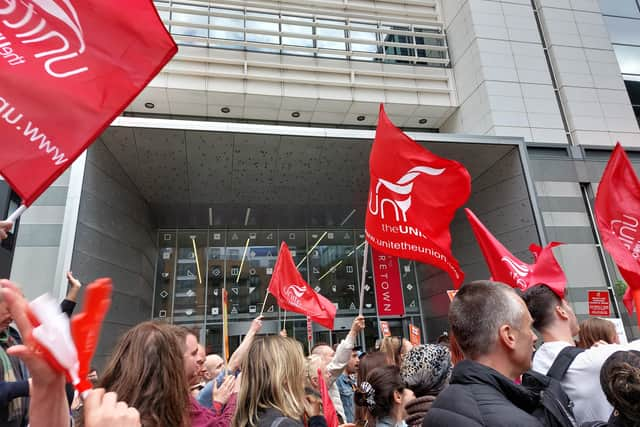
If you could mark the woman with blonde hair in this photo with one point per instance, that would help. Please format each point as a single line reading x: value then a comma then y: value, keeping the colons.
x: 146, y: 369
x: 594, y: 330
x: 272, y: 388
x: 395, y: 348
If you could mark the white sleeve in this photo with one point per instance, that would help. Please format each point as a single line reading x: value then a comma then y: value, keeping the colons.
x: 340, y: 359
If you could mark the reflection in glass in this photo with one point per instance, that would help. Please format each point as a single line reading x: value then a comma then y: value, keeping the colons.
x: 255, y: 29
x: 628, y: 58
x: 199, y: 17
x: 189, y: 296
x: 305, y: 28
x: 324, y: 32
x: 233, y: 20
x: 395, y: 43
x: 362, y: 40
x: 623, y: 30
x: 620, y: 8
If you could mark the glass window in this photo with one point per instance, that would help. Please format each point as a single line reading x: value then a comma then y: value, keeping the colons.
x: 199, y: 16
x: 633, y: 88
x: 190, y: 284
x: 628, y: 58
x: 623, y: 30
x: 329, y: 37
x: 396, y: 42
x: 295, y: 25
x: 256, y: 27
x: 363, y: 40
x: 427, y: 41
x: 620, y: 8
x: 164, y: 14
x: 228, y: 25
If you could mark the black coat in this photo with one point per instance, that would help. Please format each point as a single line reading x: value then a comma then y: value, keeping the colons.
x: 481, y: 396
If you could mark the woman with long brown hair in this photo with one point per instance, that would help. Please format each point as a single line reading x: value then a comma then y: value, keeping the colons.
x: 272, y: 387
x: 146, y: 369
x: 595, y: 330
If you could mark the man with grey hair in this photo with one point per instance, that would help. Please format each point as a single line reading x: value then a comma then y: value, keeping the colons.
x: 492, y: 326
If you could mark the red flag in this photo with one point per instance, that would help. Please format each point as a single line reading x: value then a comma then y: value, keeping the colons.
x: 67, y: 69
x: 618, y: 220
x: 506, y: 268
x: 86, y: 325
x: 294, y: 294
x: 328, y: 410
x: 413, y: 196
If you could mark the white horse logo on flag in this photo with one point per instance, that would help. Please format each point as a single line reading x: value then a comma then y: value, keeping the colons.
x: 517, y: 271
x: 402, y: 187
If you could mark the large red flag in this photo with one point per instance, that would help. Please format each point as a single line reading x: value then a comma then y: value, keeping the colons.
x: 618, y: 219
x: 413, y: 196
x: 294, y: 294
x: 506, y: 268
x: 67, y: 69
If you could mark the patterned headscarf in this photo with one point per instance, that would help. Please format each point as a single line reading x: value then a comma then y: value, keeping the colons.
x: 426, y: 369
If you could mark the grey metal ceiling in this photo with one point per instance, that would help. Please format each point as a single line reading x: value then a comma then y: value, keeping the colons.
x: 198, y: 178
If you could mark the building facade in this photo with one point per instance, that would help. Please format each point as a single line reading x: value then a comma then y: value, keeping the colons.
x: 259, y: 130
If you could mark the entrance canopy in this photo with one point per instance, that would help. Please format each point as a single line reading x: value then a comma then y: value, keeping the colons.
x: 204, y: 174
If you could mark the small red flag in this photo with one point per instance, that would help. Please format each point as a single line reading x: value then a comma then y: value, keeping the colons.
x: 294, y: 294
x: 618, y: 220
x: 67, y: 69
x: 328, y: 410
x: 506, y: 268
x: 413, y: 196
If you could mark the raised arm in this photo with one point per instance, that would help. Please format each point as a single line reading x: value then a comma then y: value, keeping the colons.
x: 343, y: 351
x: 238, y: 356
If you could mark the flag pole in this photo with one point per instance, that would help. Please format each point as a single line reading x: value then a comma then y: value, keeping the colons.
x: 244, y: 254
x: 264, y: 302
x: 16, y: 214
x: 284, y: 323
x: 364, y: 276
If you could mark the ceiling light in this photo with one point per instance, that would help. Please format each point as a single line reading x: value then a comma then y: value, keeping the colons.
x: 360, y: 118
x: 149, y: 105
x: 225, y: 110
x: 295, y: 114
x: 422, y: 121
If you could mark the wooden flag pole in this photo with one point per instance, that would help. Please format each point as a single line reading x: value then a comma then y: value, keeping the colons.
x: 364, y: 276
x: 244, y: 254
x: 264, y: 302
x: 284, y: 323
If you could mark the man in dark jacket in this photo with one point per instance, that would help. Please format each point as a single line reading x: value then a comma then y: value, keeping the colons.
x: 492, y: 326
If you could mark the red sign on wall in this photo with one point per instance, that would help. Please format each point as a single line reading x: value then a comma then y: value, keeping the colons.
x: 599, y: 303
x: 385, y: 329
x: 414, y: 334
x: 386, y: 276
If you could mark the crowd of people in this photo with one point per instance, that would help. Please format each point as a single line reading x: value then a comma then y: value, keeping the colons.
x: 485, y: 372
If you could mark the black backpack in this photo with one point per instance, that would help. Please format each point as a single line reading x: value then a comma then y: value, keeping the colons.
x: 555, y: 408
x: 563, y: 360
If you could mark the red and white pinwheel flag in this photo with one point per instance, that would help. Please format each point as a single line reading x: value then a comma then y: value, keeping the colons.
x: 69, y: 346
x: 67, y: 69
x: 293, y: 293
x: 618, y: 220
x: 413, y: 196
x: 506, y: 268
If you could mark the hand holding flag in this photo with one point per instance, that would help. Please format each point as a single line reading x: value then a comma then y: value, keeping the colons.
x: 66, y: 347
